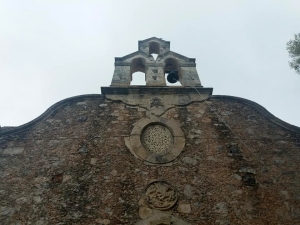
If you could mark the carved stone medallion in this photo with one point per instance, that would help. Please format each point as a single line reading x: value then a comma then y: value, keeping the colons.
x: 157, y: 138
x: 161, y: 195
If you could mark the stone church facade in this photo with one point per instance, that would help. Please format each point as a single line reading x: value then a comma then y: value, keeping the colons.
x: 151, y: 155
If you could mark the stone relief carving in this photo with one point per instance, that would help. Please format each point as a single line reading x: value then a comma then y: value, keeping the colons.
x: 157, y: 106
x: 156, y: 102
x: 161, y: 195
x: 157, y: 138
x: 156, y: 205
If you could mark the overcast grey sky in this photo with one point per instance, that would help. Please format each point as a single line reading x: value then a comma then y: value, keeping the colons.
x: 51, y: 50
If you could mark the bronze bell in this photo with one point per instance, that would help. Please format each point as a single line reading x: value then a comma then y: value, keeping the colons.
x: 173, y: 76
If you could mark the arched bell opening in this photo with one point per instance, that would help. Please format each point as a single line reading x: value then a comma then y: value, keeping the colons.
x: 138, y: 71
x: 154, y: 49
x: 172, y: 72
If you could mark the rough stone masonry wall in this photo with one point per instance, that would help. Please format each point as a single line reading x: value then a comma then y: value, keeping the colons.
x: 73, y: 167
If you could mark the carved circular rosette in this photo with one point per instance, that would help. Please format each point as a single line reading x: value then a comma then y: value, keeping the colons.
x: 161, y: 195
x: 156, y: 140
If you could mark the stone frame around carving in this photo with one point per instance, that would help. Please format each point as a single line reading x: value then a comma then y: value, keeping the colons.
x: 135, y: 145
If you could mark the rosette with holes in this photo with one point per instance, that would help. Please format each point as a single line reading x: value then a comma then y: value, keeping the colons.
x: 157, y: 139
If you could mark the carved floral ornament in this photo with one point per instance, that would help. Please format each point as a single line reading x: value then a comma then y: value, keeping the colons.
x: 161, y: 195
x: 156, y: 140
x: 156, y: 204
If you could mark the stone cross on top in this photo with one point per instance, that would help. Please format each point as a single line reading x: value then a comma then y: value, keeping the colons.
x: 167, y: 62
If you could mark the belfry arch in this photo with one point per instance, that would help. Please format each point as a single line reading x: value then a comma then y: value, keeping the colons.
x: 172, y: 65
x: 137, y: 66
x: 154, y: 47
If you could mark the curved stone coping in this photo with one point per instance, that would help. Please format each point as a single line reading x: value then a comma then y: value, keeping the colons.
x: 48, y: 112
x: 63, y: 102
x: 134, y: 143
x: 259, y: 108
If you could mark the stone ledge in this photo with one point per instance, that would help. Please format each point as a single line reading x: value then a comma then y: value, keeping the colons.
x: 168, y: 90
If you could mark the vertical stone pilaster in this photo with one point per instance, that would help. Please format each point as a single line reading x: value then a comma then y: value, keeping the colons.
x: 121, y: 76
x: 155, y: 76
x: 189, y: 77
